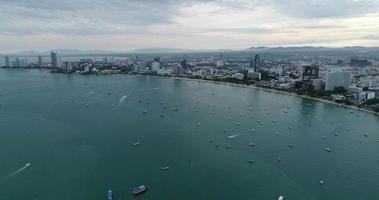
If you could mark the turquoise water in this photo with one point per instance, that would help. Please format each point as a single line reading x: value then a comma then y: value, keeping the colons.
x: 78, y: 139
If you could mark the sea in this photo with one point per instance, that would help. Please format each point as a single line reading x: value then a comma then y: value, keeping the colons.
x: 76, y: 137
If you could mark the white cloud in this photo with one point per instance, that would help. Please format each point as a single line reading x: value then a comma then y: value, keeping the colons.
x: 207, y: 24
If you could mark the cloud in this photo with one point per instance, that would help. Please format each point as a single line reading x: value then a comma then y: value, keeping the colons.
x: 191, y: 23
x: 325, y: 8
x: 371, y: 37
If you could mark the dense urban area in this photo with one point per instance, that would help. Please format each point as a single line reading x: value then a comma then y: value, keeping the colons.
x: 347, y: 76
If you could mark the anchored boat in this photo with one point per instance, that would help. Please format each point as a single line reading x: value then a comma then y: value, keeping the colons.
x: 139, y: 189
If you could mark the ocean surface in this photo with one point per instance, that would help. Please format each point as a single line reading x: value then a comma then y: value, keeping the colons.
x: 77, y: 134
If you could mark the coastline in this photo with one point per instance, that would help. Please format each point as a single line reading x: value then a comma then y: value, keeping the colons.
x: 277, y: 92
x: 266, y: 90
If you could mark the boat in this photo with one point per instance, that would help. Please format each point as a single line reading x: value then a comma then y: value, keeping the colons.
x: 281, y: 198
x: 277, y: 133
x: 252, y: 144
x: 328, y: 149
x: 232, y: 136
x: 164, y: 168
x: 251, y: 161
x: 109, y: 195
x: 136, y: 143
x: 198, y: 124
x: 139, y: 190
x: 321, y: 182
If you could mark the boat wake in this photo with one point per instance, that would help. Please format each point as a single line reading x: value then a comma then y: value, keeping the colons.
x: 122, y: 100
x: 26, y: 166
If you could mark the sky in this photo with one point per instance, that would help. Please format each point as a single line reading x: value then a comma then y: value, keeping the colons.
x: 186, y: 24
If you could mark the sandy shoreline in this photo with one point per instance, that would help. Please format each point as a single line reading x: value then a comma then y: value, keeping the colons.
x: 278, y: 92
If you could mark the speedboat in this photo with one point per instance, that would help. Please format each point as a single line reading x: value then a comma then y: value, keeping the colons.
x: 164, y: 168
x: 252, y: 144
x: 250, y: 161
x: 328, y: 149
x: 109, y: 195
x: 281, y: 198
x: 139, y: 190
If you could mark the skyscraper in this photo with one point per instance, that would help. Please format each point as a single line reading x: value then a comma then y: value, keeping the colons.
x: 40, y: 61
x: 184, y: 64
x: 7, y: 63
x: 56, y: 60
x: 257, y: 62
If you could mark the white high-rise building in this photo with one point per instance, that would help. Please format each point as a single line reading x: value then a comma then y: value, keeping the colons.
x: 155, y: 66
x: 337, y: 79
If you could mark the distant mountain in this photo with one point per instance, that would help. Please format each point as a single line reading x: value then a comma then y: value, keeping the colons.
x: 161, y: 50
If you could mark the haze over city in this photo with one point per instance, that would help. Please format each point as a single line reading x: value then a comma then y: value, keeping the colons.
x: 195, y: 24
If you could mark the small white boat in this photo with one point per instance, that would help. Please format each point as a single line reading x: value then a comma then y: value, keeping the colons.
x: 136, y: 143
x: 237, y: 123
x: 321, y: 182
x: 198, y: 124
x: 277, y: 133
x: 165, y: 168
x: 232, y: 136
x: 281, y: 198
x: 328, y: 150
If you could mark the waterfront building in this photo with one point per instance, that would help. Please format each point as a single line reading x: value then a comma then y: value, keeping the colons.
x: 257, y: 63
x: 155, y: 66
x: 7, y: 62
x: 252, y: 74
x: 317, y: 84
x: 184, y: 64
x: 239, y: 76
x: 40, y: 61
x: 337, y: 79
x: 56, y: 60
x: 310, y: 72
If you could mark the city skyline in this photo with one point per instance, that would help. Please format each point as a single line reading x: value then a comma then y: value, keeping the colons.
x: 196, y: 24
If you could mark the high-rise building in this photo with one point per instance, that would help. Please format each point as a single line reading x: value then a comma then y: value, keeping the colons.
x: 155, y: 66
x: 310, y: 72
x: 40, y: 61
x: 7, y: 63
x: 184, y: 64
x: 56, y: 60
x: 257, y: 63
x: 337, y: 79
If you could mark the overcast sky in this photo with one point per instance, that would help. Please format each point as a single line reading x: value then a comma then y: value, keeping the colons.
x: 189, y: 24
